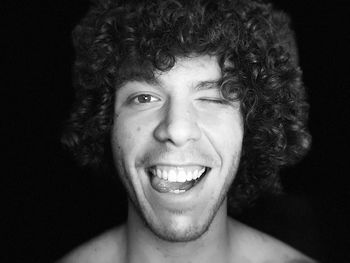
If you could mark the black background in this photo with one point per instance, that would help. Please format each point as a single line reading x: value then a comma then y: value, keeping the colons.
x: 50, y: 206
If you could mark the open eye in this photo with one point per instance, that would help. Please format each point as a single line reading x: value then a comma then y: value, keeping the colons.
x: 144, y: 98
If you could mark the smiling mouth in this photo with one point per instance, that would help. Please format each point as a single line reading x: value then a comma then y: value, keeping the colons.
x: 179, y: 179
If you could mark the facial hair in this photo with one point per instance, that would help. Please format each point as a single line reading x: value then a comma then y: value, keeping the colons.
x: 193, y: 232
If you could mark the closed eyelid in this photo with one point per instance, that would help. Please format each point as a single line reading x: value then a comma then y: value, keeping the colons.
x: 214, y: 93
x: 216, y: 101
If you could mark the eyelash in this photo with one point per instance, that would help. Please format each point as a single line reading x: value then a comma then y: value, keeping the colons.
x: 217, y: 101
x: 134, y: 98
x: 155, y: 99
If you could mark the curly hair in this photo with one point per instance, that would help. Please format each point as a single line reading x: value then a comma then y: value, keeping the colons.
x: 119, y: 40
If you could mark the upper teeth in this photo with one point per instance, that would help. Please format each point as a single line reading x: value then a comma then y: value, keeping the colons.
x: 178, y: 174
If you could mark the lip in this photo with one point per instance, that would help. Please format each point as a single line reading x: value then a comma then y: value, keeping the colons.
x: 175, y: 165
x: 189, y: 168
x: 184, y: 200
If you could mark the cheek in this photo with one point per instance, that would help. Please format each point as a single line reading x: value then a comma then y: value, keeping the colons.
x: 225, y: 132
x: 122, y: 137
x: 128, y: 134
x: 224, y: 126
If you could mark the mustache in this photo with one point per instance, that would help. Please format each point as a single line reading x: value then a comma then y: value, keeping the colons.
x: 165, y: 155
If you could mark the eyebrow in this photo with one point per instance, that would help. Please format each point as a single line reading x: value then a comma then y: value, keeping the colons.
x: 201, y: 85
x: 208, y: 84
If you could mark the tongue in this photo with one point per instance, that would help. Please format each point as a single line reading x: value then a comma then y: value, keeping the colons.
x: 164, y: 186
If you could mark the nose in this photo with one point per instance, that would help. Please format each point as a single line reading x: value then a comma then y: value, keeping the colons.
x: 178, y: 125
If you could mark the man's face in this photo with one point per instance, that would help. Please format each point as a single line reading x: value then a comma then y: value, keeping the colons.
x: 176, y: 145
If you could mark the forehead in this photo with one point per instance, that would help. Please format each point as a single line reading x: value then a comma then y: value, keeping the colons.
x: 199, y: 68
x: 196, y: 71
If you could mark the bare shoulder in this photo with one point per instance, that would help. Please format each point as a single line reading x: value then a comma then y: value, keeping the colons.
x: 107, y: 247
x: 257, y: 247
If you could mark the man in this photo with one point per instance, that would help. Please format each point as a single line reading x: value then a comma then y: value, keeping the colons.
x: 197, y: 101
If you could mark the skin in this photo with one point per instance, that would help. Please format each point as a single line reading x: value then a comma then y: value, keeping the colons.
x: 184, y: 124
x: 178, y: 121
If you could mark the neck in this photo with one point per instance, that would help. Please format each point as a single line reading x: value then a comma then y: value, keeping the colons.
x: 144, y: 246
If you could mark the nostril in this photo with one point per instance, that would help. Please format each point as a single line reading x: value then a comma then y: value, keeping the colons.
x: 178, y: 132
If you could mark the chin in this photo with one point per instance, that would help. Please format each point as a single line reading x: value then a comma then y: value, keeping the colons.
x: 180, y: 233
x: 182, y: 226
